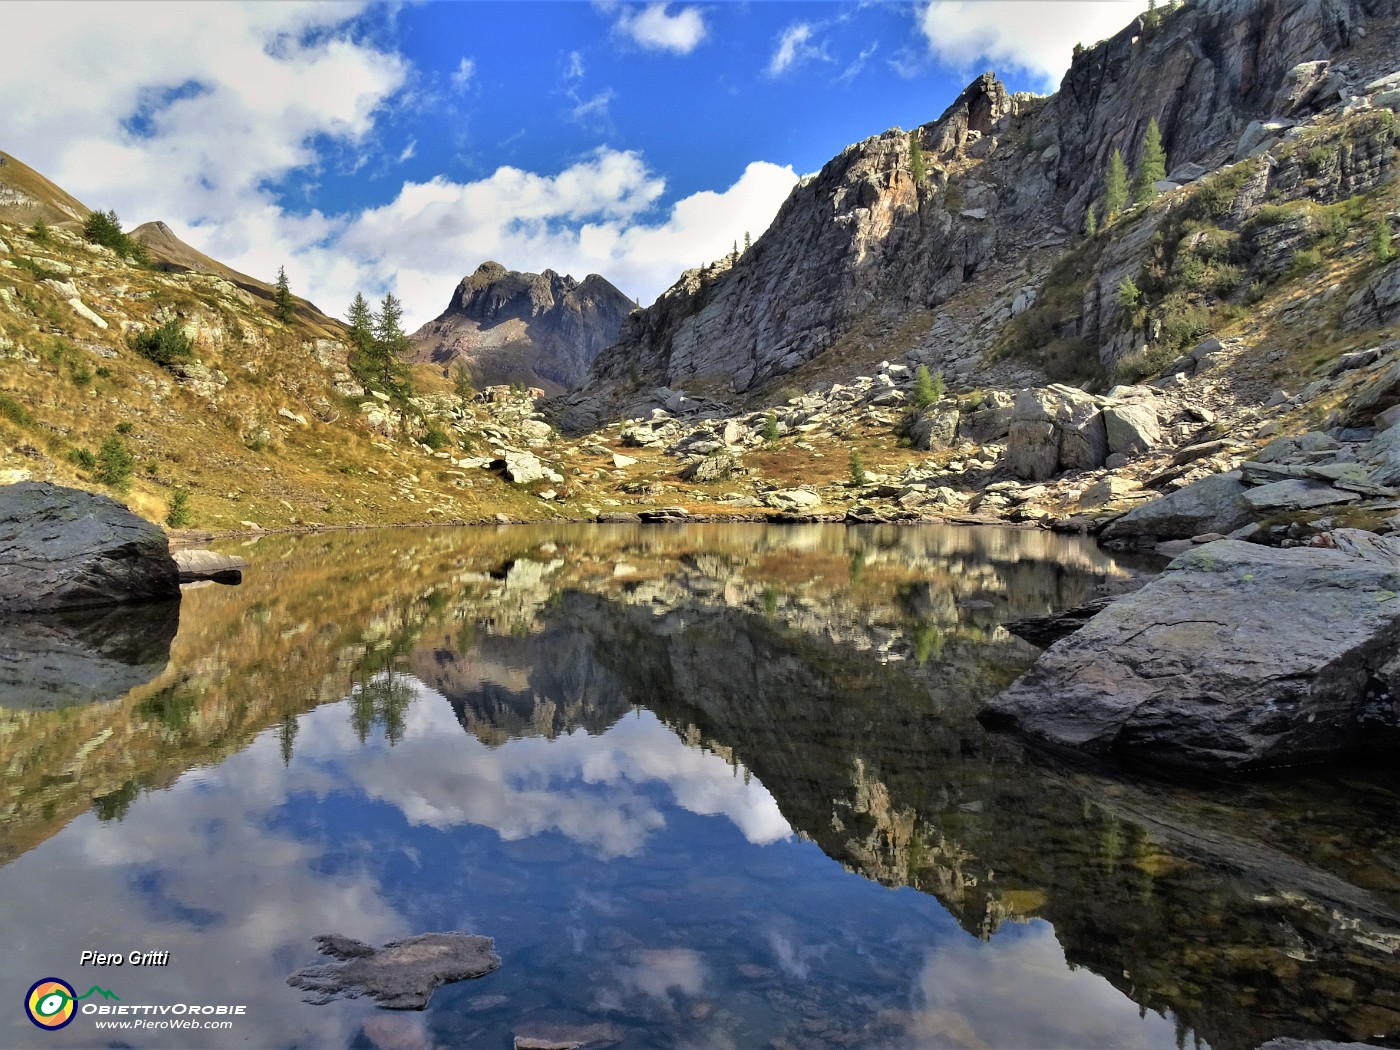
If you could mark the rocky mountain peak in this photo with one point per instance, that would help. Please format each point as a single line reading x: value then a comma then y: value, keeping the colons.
x: 506, y: 326
x: 864, y: 246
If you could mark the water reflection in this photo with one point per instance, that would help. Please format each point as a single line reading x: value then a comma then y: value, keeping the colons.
x: 710, y: 786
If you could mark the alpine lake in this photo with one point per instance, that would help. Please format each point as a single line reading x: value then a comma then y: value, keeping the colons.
x: 709, y: 786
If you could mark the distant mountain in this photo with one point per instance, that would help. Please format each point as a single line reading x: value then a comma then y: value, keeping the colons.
x: 26, y: 197
x: 541, y: 329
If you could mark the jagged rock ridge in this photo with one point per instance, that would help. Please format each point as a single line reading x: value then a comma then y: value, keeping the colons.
x: 542, y: 329
x: 863, y: 241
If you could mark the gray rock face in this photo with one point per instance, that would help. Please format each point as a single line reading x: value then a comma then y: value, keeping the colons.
x: 1377, y: 303
x: 1004, y: 171
x: 402, y: 975
x: 1055, y: 428
x: 711, y: 468
x: 1132, y: 428
x: 935, y: 428
x: 540, y: 329
x: 1236, y: 656
x: 986, y: 425
x: 63, y: 548
x: 1213, y: 504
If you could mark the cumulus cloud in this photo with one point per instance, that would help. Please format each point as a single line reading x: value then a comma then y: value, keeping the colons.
x: 599, y: 215
x: 219, y: 119
x: 656, y: 29
x: 795, y: 46
x: 1036, y: 36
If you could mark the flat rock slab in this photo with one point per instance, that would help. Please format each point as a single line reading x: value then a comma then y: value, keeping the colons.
x: 1236, y: 656
x: 209, y: 565
x: 402, y: 975
x: 561, y: 1035
x: 1296, y: 494
x: 63, y: 548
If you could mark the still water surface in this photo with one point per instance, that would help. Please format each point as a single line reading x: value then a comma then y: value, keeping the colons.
x: 707, y: 786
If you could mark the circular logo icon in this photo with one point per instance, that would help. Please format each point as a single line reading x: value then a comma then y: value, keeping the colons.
x: 50, y: 1004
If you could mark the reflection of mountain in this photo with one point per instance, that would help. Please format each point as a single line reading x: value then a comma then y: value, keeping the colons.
x: 1239, y: 913
x: 543, y: 684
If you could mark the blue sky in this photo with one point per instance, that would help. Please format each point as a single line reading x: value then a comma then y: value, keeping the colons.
x: 396, y: 146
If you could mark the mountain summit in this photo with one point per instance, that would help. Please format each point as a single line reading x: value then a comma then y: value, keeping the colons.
x: 541, y: 329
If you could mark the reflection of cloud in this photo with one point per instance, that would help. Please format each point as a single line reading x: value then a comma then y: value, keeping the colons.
x: 658, y: 971
x: 1039, y: 999
x: 196, y: 870
x: 588, y: 788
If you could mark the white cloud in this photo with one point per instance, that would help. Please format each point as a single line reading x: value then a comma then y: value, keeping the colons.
x: 599, y: 215
x: 857, y: 64
x: 795, y: 47
x: 207, y: 117
x: 1037, y: 36
x: 409, y: 150
x: 463, y: 74
x: 656, y: 29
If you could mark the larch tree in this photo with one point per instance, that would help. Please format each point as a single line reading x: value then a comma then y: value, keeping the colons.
x: 283, y: 305
x: 1152, y: 165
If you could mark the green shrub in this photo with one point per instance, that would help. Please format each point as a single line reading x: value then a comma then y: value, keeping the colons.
x: 180, y: 515
x: 39, y: 232
x: 14, y: 411
x: 770, y: 427
x: 124, y: 428
x: 164, y: 345
x: 1183, y: 323
x: 1380, y: 243
x: 462, y: 382
x: 104, y: 228
x: 83, y: 457
x: 37, y: 269
x: 1305, y: 260
x: 1128, y: 294
x: 81, y: 374
x: 436, y: 438
x: 857, y: 469
x: 114, y: 462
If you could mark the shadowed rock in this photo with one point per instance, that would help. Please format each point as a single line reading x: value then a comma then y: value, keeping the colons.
x: 402, y: 975
x: 1236, y: 656
x: 84, y: 656
x: 63, y: 548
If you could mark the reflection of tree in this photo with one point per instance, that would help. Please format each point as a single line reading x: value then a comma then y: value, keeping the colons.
x: 113, y: 806
x: 286, y: 737
x: 384, y: 698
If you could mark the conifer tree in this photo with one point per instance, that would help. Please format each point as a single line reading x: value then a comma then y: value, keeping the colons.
x: 747, y: 242
x: 389, y: 347
x: 1152, y: 165
x: 1091, y: 224
x: 1115, y: 188
x: 916, y: 157
x: 283, y: 305
x: 361, y: 338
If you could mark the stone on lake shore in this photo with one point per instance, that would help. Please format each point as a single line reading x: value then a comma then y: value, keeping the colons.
x: 64, y: 548
x: 1237, y: 656
x: 402, y: 975
x: 209, y: 565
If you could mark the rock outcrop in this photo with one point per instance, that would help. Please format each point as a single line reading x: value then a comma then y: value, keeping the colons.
x: 1237, y: 656
x: 865, y: 241
x: 63, y: 548
x: 402, y: 975
x: 540, y: 329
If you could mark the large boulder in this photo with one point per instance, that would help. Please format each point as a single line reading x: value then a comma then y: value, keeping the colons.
x: 1132, y: 427
x: 986, y: 425
x: 63, y: 548
x: 933, y: 428
x: 1053, y: 429
x: 1213, y: 504
x: 1238, y: 655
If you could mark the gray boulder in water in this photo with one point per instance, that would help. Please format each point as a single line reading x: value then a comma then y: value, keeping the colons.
x: 402, y: 975
x: 63, y: 548
x: 1236, y: 656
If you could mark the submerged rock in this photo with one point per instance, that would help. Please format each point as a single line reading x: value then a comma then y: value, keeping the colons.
x: 402, y: 975
x: 63, y: 548
x: 1237, y: 655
